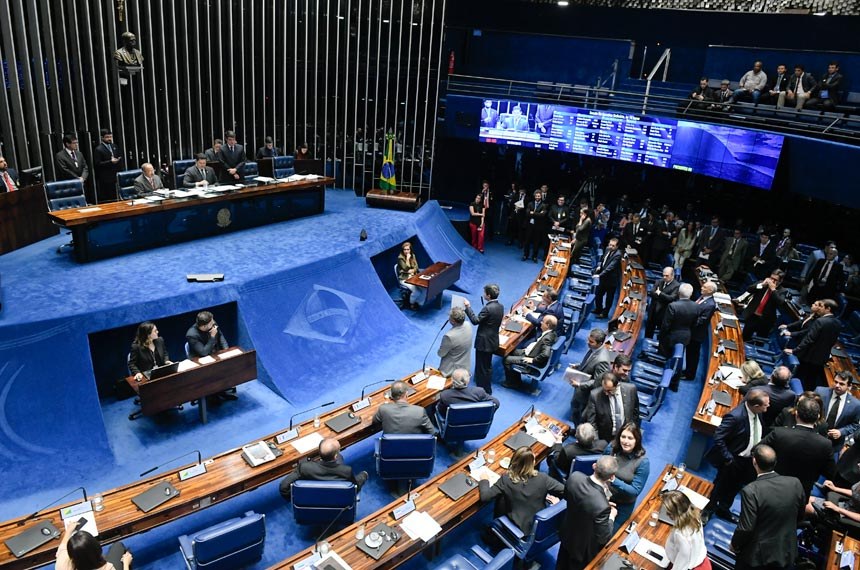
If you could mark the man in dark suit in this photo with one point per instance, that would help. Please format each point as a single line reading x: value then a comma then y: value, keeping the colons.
x: 803, y: 452
x: 148, y: 181
x: 329, y: 467
x: 204, y: 337
x: 664, y: 292
x: 8, y: 177
x: 711, y: 240
x: 777, y: 84
x: 763, y: 259
x: 586, y: 443
x: 800, y: 88
x: 841, y: 409
x: 589, y: 518
x: 234, y: 157
x: 771, y: 507
x: 828, y: 93
x: 399, y: 416
x: 781, y: 396
x: 678, y: 322
x: 107, y: 161
x: 738, y: 433
x: 595, y: 362
x: 664, y: 234
x: 699, y: 333
x: 608, y: 273
x: 268, y: 150
x: 549, y: 306
x: 462, y: 393
x: 702, y: 95
x: 734, y: 255
x: 760, y: 313
x: 634, y: 233
x: 813, y: 350
x: 612, y: 405
x: 534, y: 226
x: 534, y: 356
x: 826, y: 278
x: 199, y: 174
x: 489, y: 116
x: 487, y: 338
x: 69, y: 162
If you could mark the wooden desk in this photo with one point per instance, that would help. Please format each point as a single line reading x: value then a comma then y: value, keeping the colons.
x: 227, y: 475
x: 848, y: 543
x: 116, y: 228
x: 397, y: 201
x: 449, y: 514
x: 629, y: 271
x: 704, y: 425
x: 508, y: 341
x: 22, y: 218
x: 440, y: 276
x: 642, y: 515
x: 196, y: 383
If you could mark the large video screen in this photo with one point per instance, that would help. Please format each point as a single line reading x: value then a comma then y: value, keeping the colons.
x: 740, y: 155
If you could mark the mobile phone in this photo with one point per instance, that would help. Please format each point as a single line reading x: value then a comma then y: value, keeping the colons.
x: 80, y: 524
x: 555, y: 429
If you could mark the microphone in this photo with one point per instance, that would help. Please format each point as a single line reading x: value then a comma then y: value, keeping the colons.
x: 308, y: 410
x: 199, y: 461
x: 328, y: 528
x: 529, y: 413
x: 435, y: 338
x: 33, y: 515
x: 373, y: 384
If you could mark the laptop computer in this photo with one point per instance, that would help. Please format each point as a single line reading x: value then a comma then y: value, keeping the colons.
x: 458, y: 485
x: 155, y: 496
x: 513, y: 326
x: 162, y: 371
x: 32, y: 538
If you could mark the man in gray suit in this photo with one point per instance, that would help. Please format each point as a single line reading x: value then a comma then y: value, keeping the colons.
x: 734, y: 254
x: 400, y: 416
x: 595, y: 362
x: 456, y: 346
x: 462, y: 393
x: 588, y: 521
x: 199, y: 174
x: 147, y: 182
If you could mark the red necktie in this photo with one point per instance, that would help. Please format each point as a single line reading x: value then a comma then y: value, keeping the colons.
x: 10, y: 186
x: 762, y: 303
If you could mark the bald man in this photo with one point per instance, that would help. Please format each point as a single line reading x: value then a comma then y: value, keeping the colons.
x: 147, y: 182
x: 535, y: 355
x: 699, y: 333
x: 329, y: 467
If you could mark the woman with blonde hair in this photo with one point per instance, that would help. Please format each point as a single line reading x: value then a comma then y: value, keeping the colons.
x: 752, y: 376
x: 522, y: 491
x: 407, y: 266
x: 686, y: 544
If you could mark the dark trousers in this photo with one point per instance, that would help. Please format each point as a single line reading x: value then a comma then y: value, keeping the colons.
x: 811, y: 375
x: 484, y: 370
x: 515, y: 358
x: 533, y: 240
x: 655, y: 317
x: 756, y: 325
x: 730, y: 480
x: 693, y: 354
x: 605, y: 289
x: 579, y: 402
x: 569, y: 560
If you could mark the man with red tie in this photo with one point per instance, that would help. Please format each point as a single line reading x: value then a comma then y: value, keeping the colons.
x: 8, y: 177
x: 760, y: 314
x: 69, y: 162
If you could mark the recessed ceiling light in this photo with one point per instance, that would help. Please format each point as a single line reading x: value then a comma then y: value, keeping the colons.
x: 384, y: 21
x: 563, y: 2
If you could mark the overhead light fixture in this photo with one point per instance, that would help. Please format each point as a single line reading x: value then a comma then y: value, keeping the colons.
x: 385, y: 21
x: 563, y: 2
x: 819, y: 14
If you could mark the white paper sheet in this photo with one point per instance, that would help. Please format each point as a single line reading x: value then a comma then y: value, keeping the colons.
x: 436, y: 382
x: 644, y: 546
x: 699, y: 501
x: 84, y: 510
x: 458, y: 301
x: 206, y: 360
x: 263, y: 179
x: 230, y: 353
x: 307, y: 443
x: 187, y: 365
x: 420, y: 525
x: 93, y: 209
x: 482, y: 471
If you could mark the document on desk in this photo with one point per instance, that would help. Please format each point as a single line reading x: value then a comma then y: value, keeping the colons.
x: 699, y: 501
x: 541, y: 434
x: 653, y: 552
x: 503, y: 338
x: 484, y: 471
x: 187, y: 365
x: 152, y: 199
x: 723, y: 298
x: 264, y: 179
x: 436, y: 382
x: 307, y: 443
x: 420, y: 525
x: 85, y: 210
x: 82, y: 510
x: 206, y: 360
x: 230, y: 354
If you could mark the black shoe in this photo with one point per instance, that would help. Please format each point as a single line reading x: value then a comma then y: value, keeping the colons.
x: 534, y: 259
x: 512, y: 385
x: 525, y: 258
x: 596, y: 311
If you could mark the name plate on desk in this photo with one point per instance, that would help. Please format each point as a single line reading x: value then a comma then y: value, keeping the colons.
x: 192, y: 472
x: 287, y: 436
x: 403, y: 510
x: 420, y: 377
x: 361, y: 404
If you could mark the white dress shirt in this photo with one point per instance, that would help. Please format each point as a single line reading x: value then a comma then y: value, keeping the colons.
x: 686, y: 548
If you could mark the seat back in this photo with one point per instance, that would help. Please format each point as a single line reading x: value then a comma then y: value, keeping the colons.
x: 125, y: 182
x: 321, y: 502
x: 231, y: 544
x: 250, y: 171
x: 179, y: 168
x: 283, y: 166
x: 405, y: 456
x: 466, y: 421
x: 584, y: 464
x: 63, y: 189
x: 67, y: 203
x: 545, y: 529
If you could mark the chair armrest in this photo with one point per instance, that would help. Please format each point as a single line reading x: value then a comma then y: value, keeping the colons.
x: 481, y: 553
x: 508, y: 526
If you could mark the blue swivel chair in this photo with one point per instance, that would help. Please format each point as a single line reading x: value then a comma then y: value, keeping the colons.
x: 65, y: 195
x: 283, y: 166
x: 405, y: 456
x: 249, y: 172
x: 718, y: 539
x: 466, y: 422
x: 537, y: 375
x: 231, y: 544
x: 323, y: 502
x: 125, y: 183
x: 584, y: 464
x: 504, y: 560
x: 543, y: 535
x: 179, y: 168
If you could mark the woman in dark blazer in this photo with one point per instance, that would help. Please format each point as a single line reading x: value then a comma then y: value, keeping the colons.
x: 522, y: 491
x: 147, y: 351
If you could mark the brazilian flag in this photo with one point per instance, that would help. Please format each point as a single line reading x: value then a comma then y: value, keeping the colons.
x: 388, y: 180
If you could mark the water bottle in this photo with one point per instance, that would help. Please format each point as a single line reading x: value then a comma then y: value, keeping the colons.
x: 712, y: 406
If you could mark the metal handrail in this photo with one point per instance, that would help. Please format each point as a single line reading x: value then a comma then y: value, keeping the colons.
x: 664, y: 58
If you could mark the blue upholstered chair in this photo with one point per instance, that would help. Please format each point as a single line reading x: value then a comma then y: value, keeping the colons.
x: 179, y: 168
x: 537, y: 375
x: 125, y: 183
x: 321, y: 502
x: 249, y: 172
x: 584, y: 464
x: 504, y: 560
x: 283, y: 166
x: 718, y: 538
x: 466, y: 421
x: 228, y: 545
x: 405, y: 456
x: 543, y: 535
x: 65, y: 195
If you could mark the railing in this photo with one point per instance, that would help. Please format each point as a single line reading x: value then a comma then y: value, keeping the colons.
x: 667, y: 54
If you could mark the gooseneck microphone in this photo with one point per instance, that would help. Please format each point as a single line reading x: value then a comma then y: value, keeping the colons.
x: 328, y: 528
x: 54, y: 502
x: 199, y: 461
x: 530, y: 413
x: 308, y: 410
x: 374, y: 384
x: 432, y: 344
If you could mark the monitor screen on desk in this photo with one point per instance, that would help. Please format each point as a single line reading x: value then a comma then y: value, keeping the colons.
x: 731, y: 153
x: 30, y: 176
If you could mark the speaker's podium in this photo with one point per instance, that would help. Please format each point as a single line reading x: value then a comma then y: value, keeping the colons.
x: 377, y: 198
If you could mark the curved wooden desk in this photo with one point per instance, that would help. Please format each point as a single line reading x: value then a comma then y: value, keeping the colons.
x: 631, y: 269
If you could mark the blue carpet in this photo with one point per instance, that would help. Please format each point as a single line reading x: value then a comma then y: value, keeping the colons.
x: 309, y: 300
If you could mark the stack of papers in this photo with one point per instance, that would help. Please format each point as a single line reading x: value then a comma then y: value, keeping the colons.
x: 420, y: 525
x: 699, y: 501
x: 187, y: 365
x: 82, y: 510
x: 436, y: 382
x: 264, y: 179
x: 485, y: 472
x: 731, y: 376
x: 93, y: 209
x: 230, y: 353
x: 503, y: 338
x: 722, y: 298
x: 307, y: 443
x: 540, y: 433
x: 206, y: 360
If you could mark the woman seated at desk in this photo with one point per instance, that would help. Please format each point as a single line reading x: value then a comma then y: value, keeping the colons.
x: 147, y: 351
x: 78, y: 550
x: 633, y: 470
x: 407, y: 266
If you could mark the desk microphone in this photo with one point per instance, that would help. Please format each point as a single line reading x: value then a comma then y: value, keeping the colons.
x: 374, y: 384
x: 530, y: 413
x: 308, y: 410
x: 199, y: 461
x: 328, y: 528
x: 432, y: 344
x: 54, y: 502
